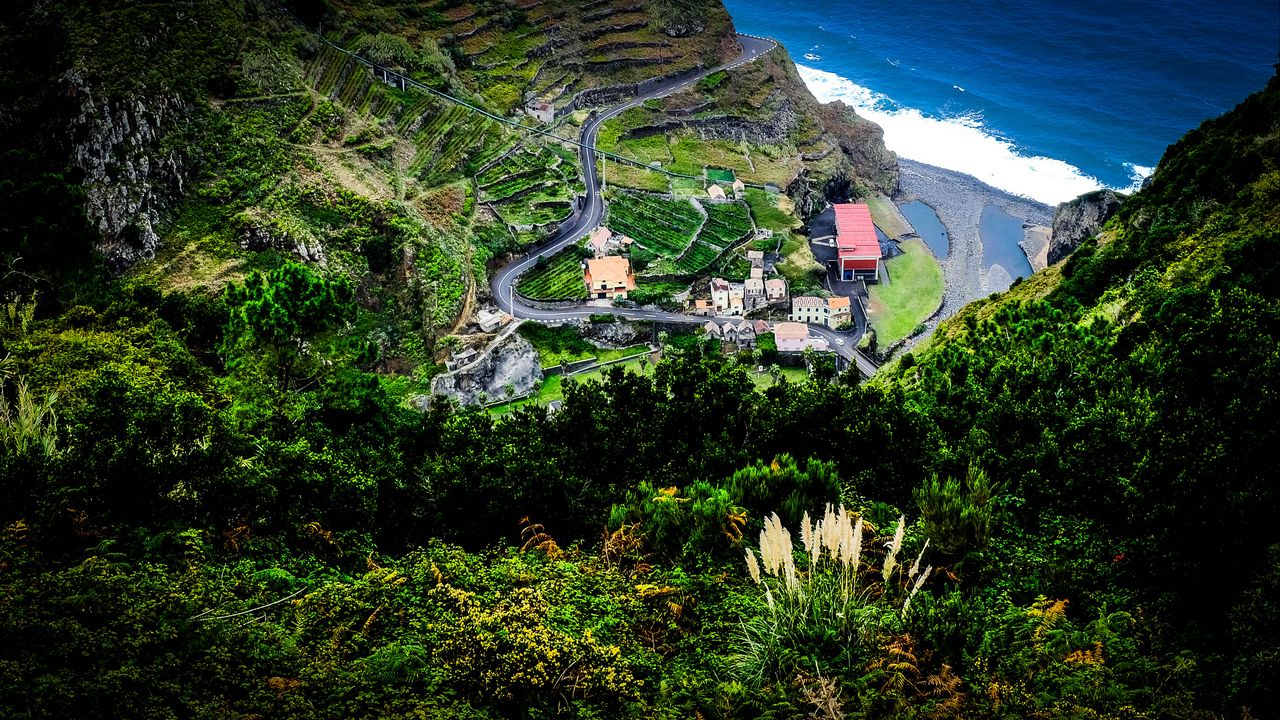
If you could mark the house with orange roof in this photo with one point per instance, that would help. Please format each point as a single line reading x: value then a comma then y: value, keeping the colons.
x: 609, y: 277
x: 598, y: 240
x: 775, y: 289
x: 838, y: 311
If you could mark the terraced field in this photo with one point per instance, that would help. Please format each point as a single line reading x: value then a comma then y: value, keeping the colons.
x: 663, y: 226
x: 444, y: 136
x: 726, y: 224
x: 559, y: 278
x: 530, y: 186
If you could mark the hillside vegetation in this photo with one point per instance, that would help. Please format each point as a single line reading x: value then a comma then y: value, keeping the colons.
x: 216, y: 504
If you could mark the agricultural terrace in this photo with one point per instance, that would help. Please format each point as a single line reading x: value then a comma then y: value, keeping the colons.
x: 530, y: 185
x: 726, y: 224
x: 661, y: 227
x: 556, y: 278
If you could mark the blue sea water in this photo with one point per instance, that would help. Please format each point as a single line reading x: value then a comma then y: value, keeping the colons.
x: 1045, y: 99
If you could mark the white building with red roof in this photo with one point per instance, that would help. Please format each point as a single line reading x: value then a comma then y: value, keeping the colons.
x: 857, y: 248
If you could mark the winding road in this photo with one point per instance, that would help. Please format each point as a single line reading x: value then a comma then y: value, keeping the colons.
x: 590, y: 211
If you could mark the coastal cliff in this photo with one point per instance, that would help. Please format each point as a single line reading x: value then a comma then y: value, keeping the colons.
x: 1078, y: 220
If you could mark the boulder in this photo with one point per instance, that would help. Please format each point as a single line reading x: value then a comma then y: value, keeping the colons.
x: 512, y: 361
x: 618, y: 334
x: 1080, y: 219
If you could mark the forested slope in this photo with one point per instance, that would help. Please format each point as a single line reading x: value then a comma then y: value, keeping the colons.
x: 1063, y: 508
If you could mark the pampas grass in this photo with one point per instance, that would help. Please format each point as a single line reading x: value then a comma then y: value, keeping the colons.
x: 807, y: 604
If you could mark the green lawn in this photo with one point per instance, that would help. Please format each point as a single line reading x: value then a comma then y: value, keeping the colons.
x: 886, y: 216
x: 563, y: 344
x: 799, y: 267
x: 794, y: 376
x: 912, y: 294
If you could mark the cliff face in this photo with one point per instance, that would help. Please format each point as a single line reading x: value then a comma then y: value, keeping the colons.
x: 1080, y: 219
x: 131, y: 176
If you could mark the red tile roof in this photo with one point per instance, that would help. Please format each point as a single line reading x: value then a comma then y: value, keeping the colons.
x: 855, y: 233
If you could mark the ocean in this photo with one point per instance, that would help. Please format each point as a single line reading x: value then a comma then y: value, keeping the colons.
x: 1046, y: 100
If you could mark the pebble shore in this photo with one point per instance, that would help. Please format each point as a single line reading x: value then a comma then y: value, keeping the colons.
x: 958, y: 200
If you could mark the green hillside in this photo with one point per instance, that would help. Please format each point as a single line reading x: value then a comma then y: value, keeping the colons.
x: 218, y: 505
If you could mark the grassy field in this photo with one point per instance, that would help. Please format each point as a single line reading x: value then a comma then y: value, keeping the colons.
x: 799, y: 266
x: 886, y: 216
x: 771, y: 211
x: 912, y: 294
x: 559, y: 278
x: 557, y: 344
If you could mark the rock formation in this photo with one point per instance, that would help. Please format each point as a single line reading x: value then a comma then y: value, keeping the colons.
x: 513, y: 361
x: 131, y: 178
x: 1080, y: 219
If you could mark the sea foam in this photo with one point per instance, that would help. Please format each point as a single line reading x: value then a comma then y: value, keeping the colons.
x: 961, y: 143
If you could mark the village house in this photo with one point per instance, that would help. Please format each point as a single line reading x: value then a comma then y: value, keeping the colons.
x: 808, y: 309
x: 715, y: 192
x: 757, y: 258
x: 726, y: 297
x: 609, y: 278
x: 775, y: 290
x: 838, y: 311
x: 729, y: 332
x: 739, y: 189
x: 791, y: 336
x: 541, y: 110
x: 857, y: 247
x: 458, y: 359
x: 761, y: 327
x: 712, y: 329
x: 603, y: 241
x: 757, y: 272
x: 701, y: 307
x: 746, y: 335
x: 489, y: 320
x: 830, y: 312
x: 754, y: 288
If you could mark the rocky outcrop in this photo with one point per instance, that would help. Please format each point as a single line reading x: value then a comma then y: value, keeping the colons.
x: 1080, y: 219
x: 618, y: 334
x: 131, y: 176
x: 259, y: 237
x: 513, y: 361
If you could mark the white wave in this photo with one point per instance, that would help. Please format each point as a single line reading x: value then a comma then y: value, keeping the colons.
x: 1139, y: 173
x: 958, y: 88
x: 956, y: 143
x: 812, y: 57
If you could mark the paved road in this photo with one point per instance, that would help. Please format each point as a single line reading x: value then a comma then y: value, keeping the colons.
x: 590, y: 212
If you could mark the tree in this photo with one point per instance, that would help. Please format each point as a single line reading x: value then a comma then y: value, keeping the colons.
x: 287, y: 322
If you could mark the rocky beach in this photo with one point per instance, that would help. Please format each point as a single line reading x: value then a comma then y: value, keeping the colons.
x: 958, y: 200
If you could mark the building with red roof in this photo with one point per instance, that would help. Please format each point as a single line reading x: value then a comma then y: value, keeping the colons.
x: 857, y: 248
